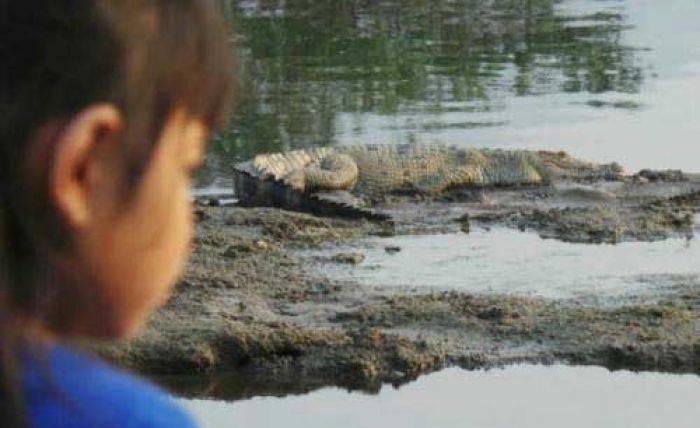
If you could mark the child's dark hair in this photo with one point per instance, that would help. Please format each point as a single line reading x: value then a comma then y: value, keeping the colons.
x: 147, y: 58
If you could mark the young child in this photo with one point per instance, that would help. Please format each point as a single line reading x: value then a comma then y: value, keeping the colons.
x: 105, y: 108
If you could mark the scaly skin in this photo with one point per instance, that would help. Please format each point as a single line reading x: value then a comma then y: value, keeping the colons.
x: 371, y: 172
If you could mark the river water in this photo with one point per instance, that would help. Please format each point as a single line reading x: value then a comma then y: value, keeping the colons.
x: 508, y: 261
x: 519, y: 396
x: 606, y: 80
x: 603, y: 79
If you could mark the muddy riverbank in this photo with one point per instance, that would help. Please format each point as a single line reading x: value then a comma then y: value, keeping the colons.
x: 252, y: 305
x: 255, y: 317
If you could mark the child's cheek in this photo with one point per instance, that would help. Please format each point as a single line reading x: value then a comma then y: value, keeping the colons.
x: 176, y: 232
x: 159, y: 258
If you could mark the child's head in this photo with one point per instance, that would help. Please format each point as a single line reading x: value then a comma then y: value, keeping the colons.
x: 105, y: 109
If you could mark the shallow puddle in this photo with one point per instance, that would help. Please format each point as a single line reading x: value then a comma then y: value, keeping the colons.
x: 508, y: 261
x: 519, y: 396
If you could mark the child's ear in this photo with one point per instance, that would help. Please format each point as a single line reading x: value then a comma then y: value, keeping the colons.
x: 75, y: 167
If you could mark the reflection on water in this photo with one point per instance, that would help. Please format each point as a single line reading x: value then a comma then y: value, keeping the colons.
x: 602, y: 79
x: 521, y: 396
x: 508, y: 261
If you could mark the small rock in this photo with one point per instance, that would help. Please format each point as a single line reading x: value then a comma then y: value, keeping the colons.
x: 656, y: 312
x: 262, y: 245
x: 492, y: 313
x: 235, y: 250
x: 392, y: 249
x: 201, y: 215
x: 465, y: 223
x: 671, y: 175
x: 232, y: 252
x: 349, y: 258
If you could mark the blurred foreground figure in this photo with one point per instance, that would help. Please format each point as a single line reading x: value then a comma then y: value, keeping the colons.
x: 105, y: 108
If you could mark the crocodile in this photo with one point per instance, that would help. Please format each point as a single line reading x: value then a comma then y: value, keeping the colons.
x: 350, y: 181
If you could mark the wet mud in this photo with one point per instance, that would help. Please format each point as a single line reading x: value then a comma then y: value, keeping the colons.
x: 634, y: 209
x: 254, y: 316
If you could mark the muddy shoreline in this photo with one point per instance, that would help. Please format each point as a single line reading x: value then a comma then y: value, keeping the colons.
x: 252, y: 310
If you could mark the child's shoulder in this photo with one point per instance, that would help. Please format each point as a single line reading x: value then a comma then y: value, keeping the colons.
x: 67, y: 389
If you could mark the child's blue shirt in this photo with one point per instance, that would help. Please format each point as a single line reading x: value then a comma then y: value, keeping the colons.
x: 67, y: 390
